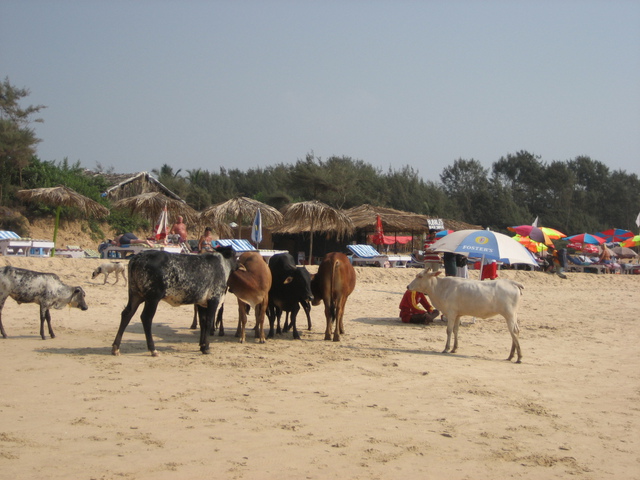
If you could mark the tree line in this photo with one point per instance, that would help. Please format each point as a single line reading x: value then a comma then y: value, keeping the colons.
x: 573, y: 196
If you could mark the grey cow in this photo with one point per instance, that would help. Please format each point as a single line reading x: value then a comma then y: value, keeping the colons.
x: 45, y: 289
x: 177, y: 279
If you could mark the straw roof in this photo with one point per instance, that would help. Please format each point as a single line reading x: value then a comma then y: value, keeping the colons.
x: 241, y: 210
x: 132, y: 185
x: 151, y: 204
x: 62, y: 196
x: 365, y: 216
x: 315, y: 216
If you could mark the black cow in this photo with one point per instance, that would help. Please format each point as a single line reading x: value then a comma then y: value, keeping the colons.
x: 290, y: 286
x: 178, y: 280
x: 45, y: 289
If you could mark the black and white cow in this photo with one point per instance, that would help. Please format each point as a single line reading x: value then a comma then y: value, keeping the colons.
x: 178, y: 280
x: 290, y: 286
x: 45, y: 289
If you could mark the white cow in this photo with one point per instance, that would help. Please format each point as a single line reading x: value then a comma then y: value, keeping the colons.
x: 456, y: 297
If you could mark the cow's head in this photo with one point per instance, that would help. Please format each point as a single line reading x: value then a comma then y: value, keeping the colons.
x: 77, y: 299
x: 424, y: 281
x: 96, y: 272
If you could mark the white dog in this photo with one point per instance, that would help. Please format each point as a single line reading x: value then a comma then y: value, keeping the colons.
x: 110, y: 267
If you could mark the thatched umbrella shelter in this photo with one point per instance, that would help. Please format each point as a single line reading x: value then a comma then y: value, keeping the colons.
x: 315, y: 217
x: 59, y: 197
x: 365, y: 216
x: 241, y: 210
x: 151, y: 205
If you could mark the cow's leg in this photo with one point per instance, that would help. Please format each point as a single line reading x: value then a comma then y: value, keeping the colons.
x: 194, y: 323
x: 271, y: 318
x: 124, y: 278
x: 278, y: 317
x: 307, y: 310
x: 148, y: 312
x: 219, y: 323
x: 512, y: 325
x: 294, y: 314
x: 339, y: 324
x: 125, y: 317
x: 329, y: 316
x: 45, y: 315
x: 205, y: 327
x: 260, y: 313
x: 456, y: 325
x: 287, y: 325
x: 450, y: 322
x: 4, y: 334
x: 242, y: 321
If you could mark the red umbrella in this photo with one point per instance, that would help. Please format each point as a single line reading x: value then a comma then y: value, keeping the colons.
x: 378, y: 237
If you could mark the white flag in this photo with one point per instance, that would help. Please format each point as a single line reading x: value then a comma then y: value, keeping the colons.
x: 638, y: 221
x: 535, y: 222
x: 256, y: 228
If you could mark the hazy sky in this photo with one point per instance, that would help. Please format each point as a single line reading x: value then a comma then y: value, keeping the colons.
x: 244, y: 84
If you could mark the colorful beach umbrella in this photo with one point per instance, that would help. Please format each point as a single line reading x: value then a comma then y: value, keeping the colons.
x: 586, y: 238
x: 534, y: 233
x: 615, y: 235
x: 632, y: 242
x: 531, y: 245
x: 485, y: 244
x: 443, y: 233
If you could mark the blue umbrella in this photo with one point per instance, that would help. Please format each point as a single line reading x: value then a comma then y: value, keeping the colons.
x: 485, y: 244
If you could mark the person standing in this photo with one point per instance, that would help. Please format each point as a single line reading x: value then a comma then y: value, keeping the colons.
x: 431, y: 259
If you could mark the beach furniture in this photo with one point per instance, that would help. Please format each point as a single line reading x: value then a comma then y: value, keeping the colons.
x: 12, y: 244
x: 363, y: 255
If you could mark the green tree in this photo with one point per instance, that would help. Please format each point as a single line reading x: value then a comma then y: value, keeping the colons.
x: 17, y: 139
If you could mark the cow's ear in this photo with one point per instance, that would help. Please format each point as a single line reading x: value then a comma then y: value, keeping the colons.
x: 288, y: 280
x: 77, y: 290
x: 437, y: 273
x: 242, y: 267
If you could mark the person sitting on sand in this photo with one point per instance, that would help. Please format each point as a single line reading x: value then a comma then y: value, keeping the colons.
x: 204, y: 244
x: 415, y: 308
x: 129, y: 238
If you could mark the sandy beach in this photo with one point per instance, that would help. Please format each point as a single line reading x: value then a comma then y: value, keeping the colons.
x: 384, y: 403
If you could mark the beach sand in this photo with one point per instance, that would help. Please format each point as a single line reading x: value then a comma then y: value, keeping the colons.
x: 384, y: 403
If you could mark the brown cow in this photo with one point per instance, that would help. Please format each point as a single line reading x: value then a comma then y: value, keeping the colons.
x: 333, y: 284
x: 250, y: 283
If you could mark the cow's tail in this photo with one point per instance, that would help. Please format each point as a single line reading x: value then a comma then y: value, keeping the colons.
x: 333, y: 306
x: 520, y: 286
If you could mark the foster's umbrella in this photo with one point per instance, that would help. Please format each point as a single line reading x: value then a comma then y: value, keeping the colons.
x: 485, y: 244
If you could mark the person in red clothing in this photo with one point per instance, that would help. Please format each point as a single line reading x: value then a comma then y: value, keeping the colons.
x: 415, y: 308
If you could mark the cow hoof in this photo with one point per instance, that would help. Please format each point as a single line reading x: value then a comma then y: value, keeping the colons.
x: 327, y: 336
x: 445, y: 351
x: 155, y: 353
x: 205, y: 351
x: 336, y: 338
x: 115, y: 352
